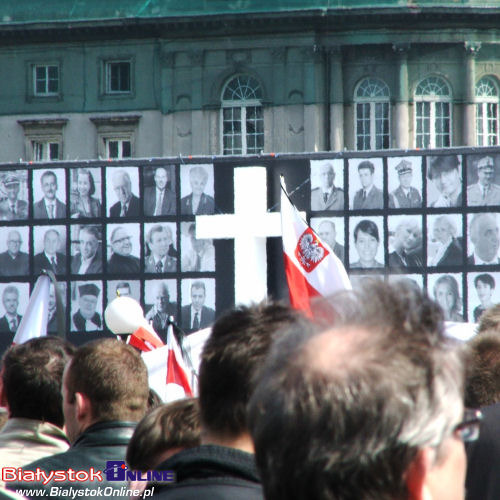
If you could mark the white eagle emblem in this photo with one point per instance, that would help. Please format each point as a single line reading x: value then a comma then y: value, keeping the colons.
x: 311, y: 252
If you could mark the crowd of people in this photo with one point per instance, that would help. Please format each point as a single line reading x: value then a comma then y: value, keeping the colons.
x: 369, y: 399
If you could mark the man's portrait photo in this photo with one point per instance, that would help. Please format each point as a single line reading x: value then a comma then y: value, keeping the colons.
x: 482, y: 180
x: 159, y: 190
x: 331, y: 231
x: 405, y: 182
x: 86, y: 306
x: 14, y: 195
x: 366, y: 242
x: 14, y: 256
x: 444, y: 186
x: 123, y: 288
x: 14, y: 302
x: 405, y: 245
x: 483, y: 293
x: 85, y: 193
x: 445, y: 240
x: 49, y: 187
x: 198, y: 304
x: 124, y: 248
x: 52, y: 306
x: 122, y: 184
x: 483, y: 239
x: 326, y: 177
x: 86, y: 249
x: 160, y: 298
x: 159, y: 246
x: 197, y: 189
x: 197, y: 254
x: 366, y: 184
x: 50, y: 249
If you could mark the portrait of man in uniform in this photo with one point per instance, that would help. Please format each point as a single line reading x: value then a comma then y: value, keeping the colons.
x: 326, y: 196
x: 11, y: 207
x: 484, y: 191
x: 405, y: 195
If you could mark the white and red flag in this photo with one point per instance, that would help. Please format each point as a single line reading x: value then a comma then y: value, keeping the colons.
x: 311, y: 267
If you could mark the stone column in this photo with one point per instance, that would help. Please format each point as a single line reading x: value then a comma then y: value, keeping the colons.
x: 469, y: 114
x: 336, y: 91
x: 400, y: 126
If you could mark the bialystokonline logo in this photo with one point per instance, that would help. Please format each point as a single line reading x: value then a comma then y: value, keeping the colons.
x: 115, y: 470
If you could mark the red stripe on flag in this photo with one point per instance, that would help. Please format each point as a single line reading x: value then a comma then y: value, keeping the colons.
x: 176, y: 375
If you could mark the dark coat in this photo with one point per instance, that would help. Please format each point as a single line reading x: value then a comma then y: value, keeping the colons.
x: 40, y: 211
x: 210, y: 471
x: 453, y: 256
x: 206, y: 319
x: 133, y: 209
x: 205, y: 207
x: 398, y: 199
x: 167, y: 205
x: 79, y: 321
x: 41, y: 262
x: 94, y: 267
x: 20, y: 266
x: 410, y: 260
x: 374, y: 199
x: 5, y: 326
x: 123, y: 264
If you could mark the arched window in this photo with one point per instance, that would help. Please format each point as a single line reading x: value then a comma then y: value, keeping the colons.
x: 433, y: 113
x: 242, y: 116
x: 487, y: 112
x: 372, y: 115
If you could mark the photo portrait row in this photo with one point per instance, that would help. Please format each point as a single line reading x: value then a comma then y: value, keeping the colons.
x: 114, y: 248
x: 97, y: 192
x: 441, y: 181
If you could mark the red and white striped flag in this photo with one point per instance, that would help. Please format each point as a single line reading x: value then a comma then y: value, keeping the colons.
x: 311, y: 267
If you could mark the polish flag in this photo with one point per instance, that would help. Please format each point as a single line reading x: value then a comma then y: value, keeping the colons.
x: 311, y: 267
x: 145, y: 339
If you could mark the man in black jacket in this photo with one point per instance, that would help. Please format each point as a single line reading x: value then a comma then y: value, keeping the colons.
x: 105, y: 392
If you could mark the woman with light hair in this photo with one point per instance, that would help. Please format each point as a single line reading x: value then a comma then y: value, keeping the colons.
x: 447, y: 295
x: 197, y: 203
x: 448, y: 247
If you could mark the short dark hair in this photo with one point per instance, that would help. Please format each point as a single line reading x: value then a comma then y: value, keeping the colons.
x: 168, y: 426
x: 32, y: 378
x: 440, y: 164
x: 486, y: 279
x: 113, y: 376
x: 48, y: 173
x: 199, y: 285
x: 350, y: 406
x: 234, y: 352
x: 367, y: 226
x: 366, y: 165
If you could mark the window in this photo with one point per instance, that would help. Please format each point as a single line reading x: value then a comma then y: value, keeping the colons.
x: 45, y: 150
x: 45, y: 79
x: 487, y: 112
x: 372, y: 115
x: 118, y: 148
x: 118, y: 77
x: 43, y: 139
x: 242, y: 116
x: 433, y: 113
x: 116, y: 136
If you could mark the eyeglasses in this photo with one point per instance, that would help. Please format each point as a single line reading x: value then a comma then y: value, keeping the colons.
x: 468, y: 428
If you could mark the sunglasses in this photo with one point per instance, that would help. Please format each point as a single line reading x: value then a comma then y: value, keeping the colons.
x: 468, y: 429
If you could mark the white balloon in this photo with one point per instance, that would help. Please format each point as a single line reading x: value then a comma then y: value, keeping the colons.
x: 124, y: 315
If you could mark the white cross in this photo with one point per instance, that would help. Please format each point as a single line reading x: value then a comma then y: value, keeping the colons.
x: 250, y: 225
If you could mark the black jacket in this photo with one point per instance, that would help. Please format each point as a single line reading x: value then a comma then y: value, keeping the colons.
x: 211, y: 472
x: 93, y: 448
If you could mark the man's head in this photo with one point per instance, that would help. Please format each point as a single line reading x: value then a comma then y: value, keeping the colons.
x: 106, y: 380
x: 198, y: 244
x: 405, y: 173
x: 12, y: 186
x: 485, y: 170
x: 14, y: 242
x: 48, y: 181
x: 484, y: 236
x: 161, y: 178
x: 364, y: 408
x: 87, y: 299
x: 443, y: 172
x: 159, y: 240
x: 408, y: 235
x: 327, y: 233
x: 121, y: 241
x: 198, y: 295
x: 366, y: 170
x: 327, y: 176
x: 490, y: 320
x: 444, y: 229
x: 198, y: 179
x: 51, y: 242
x: 89, y: 238
x: 122, y: 186
x: 123, y: 289
x: 32, y: 378
x: 162, y: 297
x: 10, y: 299
x: 485, y: 284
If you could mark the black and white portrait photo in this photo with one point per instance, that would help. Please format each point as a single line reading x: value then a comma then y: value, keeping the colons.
x: 160, y: 299
x: 49, y: 193
x: 123, y: 288
x: 85, y: 193
x: 484, y: 292
x: 122, y: 191
x: 86, y: 306
x: 197, y: 254
x: 52, y: 323
x: 14, y: 251
x: 483, y: 239
x: 14, y: 197
x: 404, y: 182
x: 366, y: 242
x: 159, y: 190
x: 331, y: 231
x: 198, y: 304
x: 445, y: 243
x: 416, y: 280
x: 86, y: 249
x: 444, y: 185
x: 160, y: 247
x: 446, y: 290
x: 14, y: 301
x: 123, y: 248
x: 197, y: 189
x: 50, y: 249
x: 405, y: 245
x: 483, y: 180
x: 366, y: 182
x: 327, y: 185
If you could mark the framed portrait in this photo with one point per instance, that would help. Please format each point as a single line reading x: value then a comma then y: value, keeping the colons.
x: 444, y: 181
x: 445, y: 242
x: 327, y: 185
x: 404, y: 182
x: 86, y: 306
x: 483, y: 240
x: 86, y: 249
x: 447, y: 291
x: 15, y: 298
x: 331, y: 231
x: 198, y: 303
x: 483, y: 293
x: 404, y: 242
x: 483, y: 180
x: 366, y: 242
x: 85, y: 195
x: 49, y: 248
x: 197, y: 189
x: 160, y: 247
x: 160, y: 304
x: 14, y: 195
x: 197, y: 254
x: 123, y: 288
x: 123, y: 248
x: 159, y: 190
x: 122, y: 192
x: 366, y: 184
x: 14, y: 251
x: 49, y: 193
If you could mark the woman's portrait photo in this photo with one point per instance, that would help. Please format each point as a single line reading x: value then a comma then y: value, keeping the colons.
x: 85, y: 194
x: 446, y: 291
x: 366, y: 243
x: 444, y: 240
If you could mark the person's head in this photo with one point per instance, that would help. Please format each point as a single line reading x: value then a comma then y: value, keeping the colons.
x: 161, y: 297
x: 89, y: 238
x: 482, y: 381
x: 32, y: 378
x: 485, y: 170
x: 121, y: 241
x: 87, y: 299
x: 408, y: 235
x: 484, y: 284
x: 447, y: 294
x: 366, y: 240
x: 366, y: 170
x: 122, y: 186
x: 444, y: 229
x: 123, y: 289
x: 327, y: 176
x: 164, y: 431
x: 48, y: 181
x: 12, y: 186
x: 159, y: 240
x: 106, y: 380
x: 405, y: 173
x: 232, y: 355
x: 198, y: 178
x: 198, y: 294
x: 443, y: 172
x: 14, y: 242
x: 490, y: 319
x: 161, y: 178
x: 10, y: 299
x: 484, y: 236
x: 327, y: 233
x: 85, y: 182
x: 365, y: 408
x: 51, y: 241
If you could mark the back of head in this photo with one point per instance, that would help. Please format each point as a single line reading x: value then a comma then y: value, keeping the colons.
x: 114, y: 378
x: 349, y: 406
x: 490, y: 320
x: 32, y: 377
x: 234, y: 352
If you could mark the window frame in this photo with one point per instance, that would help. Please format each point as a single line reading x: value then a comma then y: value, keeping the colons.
x: 43, y: 132
x: 485, y: 103
x: 115, y: 128
x: 106, y: 92
x: 32, y: 95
